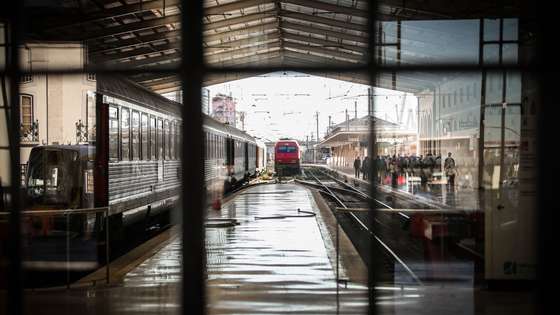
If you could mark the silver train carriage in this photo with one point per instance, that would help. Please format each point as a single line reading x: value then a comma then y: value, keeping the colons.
x: 133, y: 165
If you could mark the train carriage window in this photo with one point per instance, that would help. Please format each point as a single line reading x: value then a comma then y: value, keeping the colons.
x: 166, y: 139
x: 215, y: 146
x: 220, y: 147
x: 226, y: 146
x: 177, y: 130
x: 153, y: 147
x: 172, y: 141
x: 144, y: 134
x: 113, y: 133
x: 160, y: 139
x: 205, y: 145
x: 135, y: 135
x: 212, y: 153
x: 125, y: 134
x: 208, y: 147
x: 178, y: 135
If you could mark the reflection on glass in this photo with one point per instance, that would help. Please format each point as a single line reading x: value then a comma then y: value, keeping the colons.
x: 429, y: 42
x: 491, y: 29
x: 470, y: 172
x: 445, y: 41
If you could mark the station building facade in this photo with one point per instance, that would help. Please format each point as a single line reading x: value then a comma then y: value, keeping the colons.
x: 350, y: 139
x: 55, y: 108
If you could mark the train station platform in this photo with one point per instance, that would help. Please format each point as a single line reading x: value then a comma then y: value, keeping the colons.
x: 438, y: 194
x: 274, y: 261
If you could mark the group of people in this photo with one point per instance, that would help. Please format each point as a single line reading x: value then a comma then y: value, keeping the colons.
x: 395, y: 166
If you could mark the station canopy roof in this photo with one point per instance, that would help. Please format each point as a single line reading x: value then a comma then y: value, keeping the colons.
x: 146, y: 34
x: 358, y: 130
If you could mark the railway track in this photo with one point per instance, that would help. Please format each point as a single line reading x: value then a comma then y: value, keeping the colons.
x: 385, y: 229
x: 351, y: 209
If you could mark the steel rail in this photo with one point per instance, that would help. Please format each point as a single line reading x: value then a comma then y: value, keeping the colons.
x: 385, y: 246
x: 364, y: 195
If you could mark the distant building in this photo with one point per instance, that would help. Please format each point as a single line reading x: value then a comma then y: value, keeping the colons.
x: 350, y: 138
x: 240, y: 120
x: 223, y: 109
x: 206, y: 101
x: 54, y: 108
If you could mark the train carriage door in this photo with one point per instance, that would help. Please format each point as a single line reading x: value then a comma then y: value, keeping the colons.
x: 246, y: 156
x: 106, y: 118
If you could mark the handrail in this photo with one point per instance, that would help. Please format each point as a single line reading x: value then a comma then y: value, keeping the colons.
x: 67, y: 213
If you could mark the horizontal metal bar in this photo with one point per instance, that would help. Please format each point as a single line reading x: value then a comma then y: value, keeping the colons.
x: 61, y: 212
x: 115, y: 12
x: 443, y: 68
x: 234, y: 6
x: 331, y: 8
x: 226, y: 23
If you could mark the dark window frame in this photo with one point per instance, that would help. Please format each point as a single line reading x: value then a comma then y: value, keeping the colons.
x: 160, y: 139
x: 152, y: 151
x: 124, y: 157
x: 116, y: 120
x: 136, y: 154
x: 144, y: 137
x: 166, y: 145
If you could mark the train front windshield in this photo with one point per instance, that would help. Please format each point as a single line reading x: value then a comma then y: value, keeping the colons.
x: 287, y: 149
x: 49, y: 177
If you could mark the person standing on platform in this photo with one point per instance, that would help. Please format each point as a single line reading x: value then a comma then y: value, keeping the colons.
x: 357, y: 166
x: 449, y: 167
x: 381, y: 168
x: 393, y: 169
x: 365, y: 168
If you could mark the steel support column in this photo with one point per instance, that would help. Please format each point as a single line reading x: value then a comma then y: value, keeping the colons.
x: 192, y: 201
x: 15, y: 272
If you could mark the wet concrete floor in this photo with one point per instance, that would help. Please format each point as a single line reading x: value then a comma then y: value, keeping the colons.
x: 271, y: 265
x: 261, y: 266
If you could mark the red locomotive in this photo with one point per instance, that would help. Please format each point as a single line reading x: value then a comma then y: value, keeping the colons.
x: 287, y: 157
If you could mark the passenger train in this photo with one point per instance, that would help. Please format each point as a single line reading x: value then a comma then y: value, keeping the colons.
x: 132, y: 166
x: 287, y: 157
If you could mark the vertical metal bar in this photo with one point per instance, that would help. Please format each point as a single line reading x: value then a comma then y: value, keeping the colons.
x: 192, y: 73
x: 371, y: 64
x: 67, y: 250
x: 337, y: 263
x: 15, y: 274
x: 107, y: 247
x: 503, y: 111
x: 482, y: 104
x: 547, y: 121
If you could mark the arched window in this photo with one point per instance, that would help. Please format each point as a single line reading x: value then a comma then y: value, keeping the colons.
x: 27, y: 117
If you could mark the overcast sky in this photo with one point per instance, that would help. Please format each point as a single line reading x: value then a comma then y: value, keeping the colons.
x: 283, y: 104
